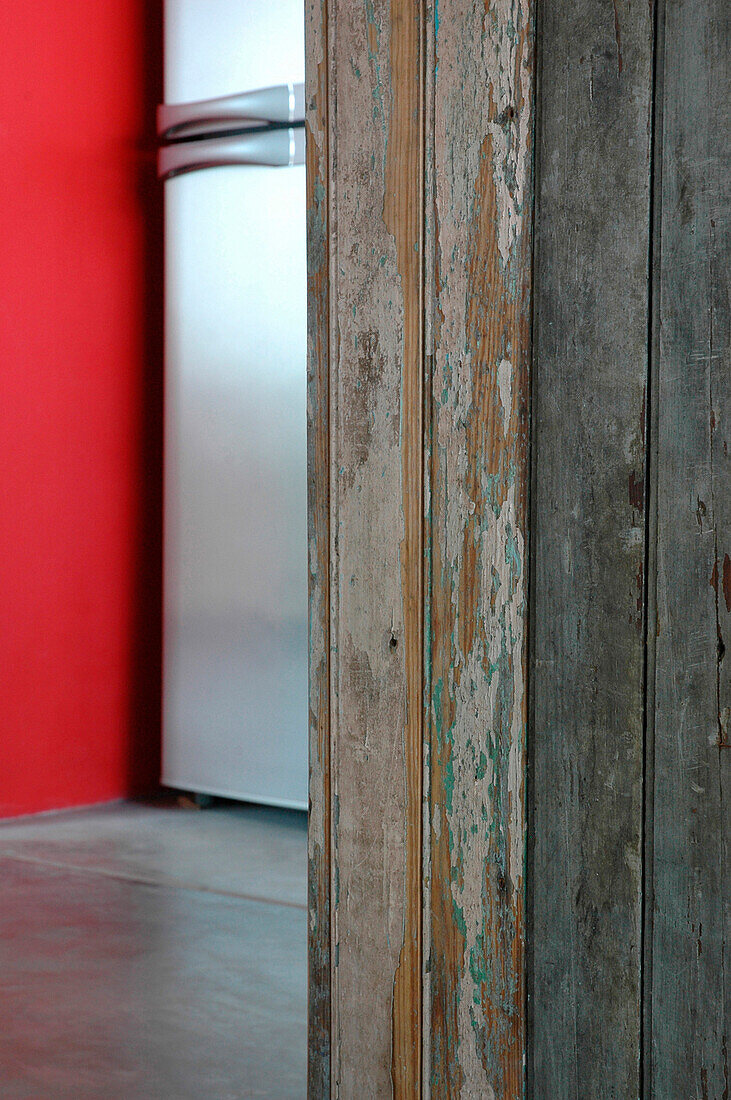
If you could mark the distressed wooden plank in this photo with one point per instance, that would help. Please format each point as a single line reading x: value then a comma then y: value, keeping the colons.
x: 376, y: 445
x: 687, y: 1041
x: 318, y: 511
x: 482, y: 177
x: 590, y: 357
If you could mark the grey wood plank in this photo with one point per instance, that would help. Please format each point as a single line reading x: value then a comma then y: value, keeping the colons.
x: 687, y: 1037
x: 590, y: 367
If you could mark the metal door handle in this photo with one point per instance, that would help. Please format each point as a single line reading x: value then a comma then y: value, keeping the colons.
x: 276, y: 148
x: 282, y: 103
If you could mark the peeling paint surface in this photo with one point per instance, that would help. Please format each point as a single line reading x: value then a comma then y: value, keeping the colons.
x: 479, y: 478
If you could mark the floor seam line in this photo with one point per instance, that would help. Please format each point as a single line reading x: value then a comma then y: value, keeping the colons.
x: 139, y: 881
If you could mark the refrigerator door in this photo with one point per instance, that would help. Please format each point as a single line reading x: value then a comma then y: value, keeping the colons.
x: 220, y: 47
x: 235, y: 663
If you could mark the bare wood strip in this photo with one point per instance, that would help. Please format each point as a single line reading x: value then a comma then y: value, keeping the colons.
x: 403, y: 214
x: 483, y: 192
x: 687, y: 1051
x: 376, y: 557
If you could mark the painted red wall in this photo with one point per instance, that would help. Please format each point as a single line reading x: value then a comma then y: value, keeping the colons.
x: 80, y: 372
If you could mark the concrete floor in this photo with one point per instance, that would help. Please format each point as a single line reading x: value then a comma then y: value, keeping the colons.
x: 149, y: 952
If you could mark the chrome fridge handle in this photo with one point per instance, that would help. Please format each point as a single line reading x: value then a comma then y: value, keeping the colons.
x: 276, y: 148
x: 283, y: 103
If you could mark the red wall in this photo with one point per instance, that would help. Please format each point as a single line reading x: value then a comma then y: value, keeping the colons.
x: 80, y: 373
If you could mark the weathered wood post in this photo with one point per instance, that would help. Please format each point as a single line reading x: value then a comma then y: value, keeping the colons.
x: 420, y: 125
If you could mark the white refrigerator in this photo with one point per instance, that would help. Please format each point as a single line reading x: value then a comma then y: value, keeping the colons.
x: 235, y: 572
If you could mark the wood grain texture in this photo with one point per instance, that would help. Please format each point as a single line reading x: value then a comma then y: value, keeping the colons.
x: 420, y: 193
x: 688, y: 1041
x: 403, y: 213
x: 589, y: 453
x: 318, y: 512
x: 374, y: 247
x: 480, y: 231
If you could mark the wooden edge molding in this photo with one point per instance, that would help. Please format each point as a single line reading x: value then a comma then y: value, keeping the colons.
x: 318, y: 532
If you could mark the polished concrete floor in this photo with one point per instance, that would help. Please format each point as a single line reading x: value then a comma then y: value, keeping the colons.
x: 150, y: 952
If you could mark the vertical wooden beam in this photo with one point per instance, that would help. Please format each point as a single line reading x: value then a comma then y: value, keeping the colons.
x: 589, y: 412
x: 365, y: 70
x: 480, y: 230
x: 687, y: 1042
x: 371, y: 164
